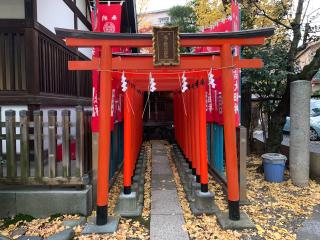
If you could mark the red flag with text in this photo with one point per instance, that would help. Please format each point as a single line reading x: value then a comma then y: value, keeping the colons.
x: 106, y: 18
x: 214, y: 100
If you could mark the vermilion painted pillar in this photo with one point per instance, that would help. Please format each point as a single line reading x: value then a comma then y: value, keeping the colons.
x: 174, y: 115
x: 230, y: 132
x: 195, y: 115
x: 127, y: 167
x: 203, y: 137
x: 192, y: 129
x: 187, y: 103
x: 104, y: 135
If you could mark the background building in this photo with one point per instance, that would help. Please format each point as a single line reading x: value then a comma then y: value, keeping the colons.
x: 154, y: 18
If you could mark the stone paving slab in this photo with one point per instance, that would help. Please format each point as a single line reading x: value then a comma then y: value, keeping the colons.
x: 159, y: 158
x: 163, y: 182
x: 310, y: 229
x: 167, y: 227
x: 162, y: 177
x: 166, y: 213
x: 158, y: 168
x: 165, y: 202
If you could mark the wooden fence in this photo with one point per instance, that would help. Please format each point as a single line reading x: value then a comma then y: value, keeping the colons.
x: 38, y: 163
x: 34, y: 69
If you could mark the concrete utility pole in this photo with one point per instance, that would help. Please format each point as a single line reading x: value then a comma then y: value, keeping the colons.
x: 299, y: 156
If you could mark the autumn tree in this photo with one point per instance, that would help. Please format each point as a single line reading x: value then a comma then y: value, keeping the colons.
x: 289, y: 24
x: 292, y: 34
x: 184, y: 17
x: 209, y: 12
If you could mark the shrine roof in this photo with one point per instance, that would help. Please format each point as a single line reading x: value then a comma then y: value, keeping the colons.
x: 68, y: 33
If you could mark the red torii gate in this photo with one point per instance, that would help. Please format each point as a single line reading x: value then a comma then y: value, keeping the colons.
x: 189, y: 139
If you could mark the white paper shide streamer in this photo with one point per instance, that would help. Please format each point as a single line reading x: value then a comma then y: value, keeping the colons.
x: 124, y: 83
x: 211, y: 79
x: 152, y: 83
x: 184, y: 85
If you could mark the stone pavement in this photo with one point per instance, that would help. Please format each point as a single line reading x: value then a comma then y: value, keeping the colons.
x: 310, y: 229
x: 166, y: 213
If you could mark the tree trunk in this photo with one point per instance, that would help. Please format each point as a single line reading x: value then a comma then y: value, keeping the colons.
x: 277, y: 121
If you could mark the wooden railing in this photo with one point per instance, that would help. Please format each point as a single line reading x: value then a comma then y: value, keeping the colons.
x: 12, y: 61
x: 40, y: 142
x: 55, y: 77
x: 34, y: 68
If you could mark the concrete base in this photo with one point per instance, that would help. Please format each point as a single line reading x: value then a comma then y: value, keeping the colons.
x: 73, y: 223
x: 194, y: 188
x: 140, y: 199
x: 139, y: 188
x: 187, y: 183
x: 42, y: 202
x: 203, y: 203
x: 139, y: 179
x: 128, y: 205
x: 110, y: 227
x: 226, y: 223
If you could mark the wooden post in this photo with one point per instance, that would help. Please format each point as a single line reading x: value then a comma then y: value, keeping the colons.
x: 24, y: 144
x: 230, y: 132
x: 66, y: 161
x: 79, y: 141
x: 52, y: 149
x: 197, y: 128
x: 203, y: 137
x: 11, y: 143
x: 243, y: 164
x: 104, y: 135
x: 38, y: 143
x: 1, y: 152
x: 188, y: 131
x: 193, y: 131
x: 87, y: 142
x: 127, y: 168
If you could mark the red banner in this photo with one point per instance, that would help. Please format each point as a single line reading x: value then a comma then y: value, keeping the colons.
x: 106, y: 18
x: 110, y: 19
x: 119, y: 105
x: 214, y: 100
x: 235, y: 13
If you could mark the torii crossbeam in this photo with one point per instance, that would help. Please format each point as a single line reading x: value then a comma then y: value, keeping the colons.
x: 108, y: 63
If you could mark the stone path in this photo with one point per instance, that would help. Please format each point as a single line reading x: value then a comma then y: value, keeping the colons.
x: 310, y: 229
x: 166, y: 213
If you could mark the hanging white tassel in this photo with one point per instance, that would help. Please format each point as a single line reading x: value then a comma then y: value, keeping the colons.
x: 124, y: 83
x: 211, y: 79
x: 152, y: 83
x: 184, y: 85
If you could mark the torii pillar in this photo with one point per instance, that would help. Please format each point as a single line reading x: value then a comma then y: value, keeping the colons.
x: 106, y: 64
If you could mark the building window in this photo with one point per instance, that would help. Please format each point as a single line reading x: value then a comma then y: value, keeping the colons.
x: 164, y: 20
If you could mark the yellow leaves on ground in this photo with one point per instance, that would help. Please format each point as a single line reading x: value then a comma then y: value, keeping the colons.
x: 202, y: 227
x: 277, y: 209
x: 128, y: 228
x: 147, y: 185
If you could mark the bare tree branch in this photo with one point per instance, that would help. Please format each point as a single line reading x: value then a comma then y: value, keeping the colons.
x: 296, y: 28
